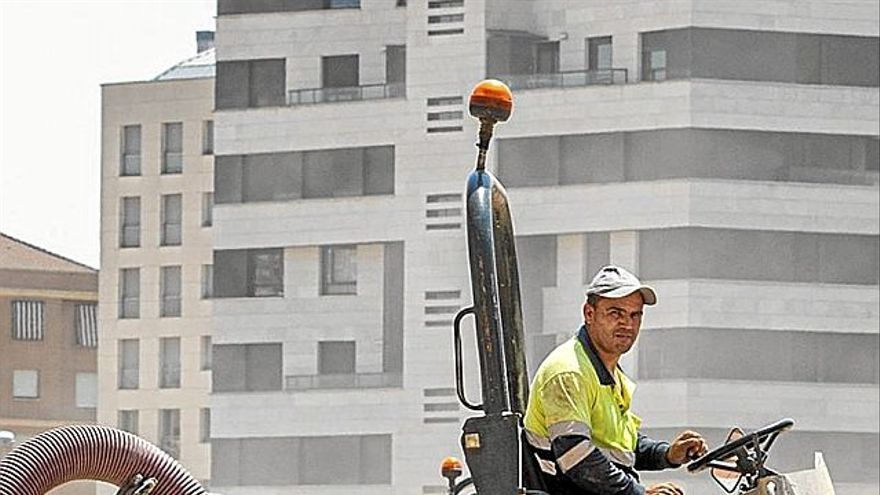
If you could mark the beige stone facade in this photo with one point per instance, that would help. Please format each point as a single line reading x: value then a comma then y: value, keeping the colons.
x: 156, y: 182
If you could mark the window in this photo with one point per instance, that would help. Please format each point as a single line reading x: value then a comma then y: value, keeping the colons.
x: 207, y: 209
x: 86, y: 390
x: 783, y: 356
x: 251, y: 83
x: 127, y: 420
x: 169, y: 362
x: 129, y: 363
x: 170, y: 289
x: 130, y: 222
x: 172, y: 148
x: 208, y: 137
x: 130, y: 161
x: 25, y: 384
x: 129, y: 292
x: 775, y: 256
x: 172, y: 211
x: 348, y: 172
x: 285, y: 176
x: 600, y: 54
x: 267, y: 273
x: 353, y: 460
x: 249, y: 273
x: 204, y: 425
x: 28, y: 320
x: 207, y: 281
x: 600, y: 59
x: 339, y: 270
x: 86, y: 324
x: 339, y: 77
x: 547, y: 57
x: 395, y: 69
x: 733, y: 54
x: 205, y: 353
x: 169, y: 431
x: 656, y: 69
x: 336, y: 358
x: 260, y: 6
x: 344, y: 460
x: 246, y: 367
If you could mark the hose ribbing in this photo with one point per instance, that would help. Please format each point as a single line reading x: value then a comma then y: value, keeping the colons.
x: 90, y: 452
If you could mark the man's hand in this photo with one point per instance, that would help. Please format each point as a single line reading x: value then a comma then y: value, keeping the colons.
x: 664, y: 489
x: 686, y: 446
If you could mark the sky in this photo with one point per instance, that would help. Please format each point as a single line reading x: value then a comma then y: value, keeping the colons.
x: 54, y: 56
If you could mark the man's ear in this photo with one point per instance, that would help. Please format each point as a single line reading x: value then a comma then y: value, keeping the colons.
x: 588, y: 313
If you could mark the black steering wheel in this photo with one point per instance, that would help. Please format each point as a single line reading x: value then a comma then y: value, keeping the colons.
x: 755, y: 438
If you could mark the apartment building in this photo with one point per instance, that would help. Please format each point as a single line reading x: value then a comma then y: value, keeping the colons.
x: 48, y: 344
x: 156, y: 281
x: 727, y: 152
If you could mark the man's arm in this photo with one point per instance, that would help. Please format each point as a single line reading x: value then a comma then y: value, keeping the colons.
x: 651, y: 455
x: 590, y: 469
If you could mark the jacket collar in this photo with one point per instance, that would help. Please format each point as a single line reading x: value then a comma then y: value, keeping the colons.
x: 583, y: 337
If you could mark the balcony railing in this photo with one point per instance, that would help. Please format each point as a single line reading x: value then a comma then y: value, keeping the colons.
x: 565, y: 79
x: 348, y: 93
x: 343, y: 381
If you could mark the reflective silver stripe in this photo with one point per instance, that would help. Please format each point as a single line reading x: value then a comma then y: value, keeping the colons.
x: 620, y: 457
x: 568, y: 428
x: 537, y: 441
x: 546, y: 466
x: 574, y: 455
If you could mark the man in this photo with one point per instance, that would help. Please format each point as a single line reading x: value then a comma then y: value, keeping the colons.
x: 578, y: 423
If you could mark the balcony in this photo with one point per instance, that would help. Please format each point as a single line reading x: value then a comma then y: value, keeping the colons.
x: 350, y: 93
x: 573, y: 78
x: 342, y: 381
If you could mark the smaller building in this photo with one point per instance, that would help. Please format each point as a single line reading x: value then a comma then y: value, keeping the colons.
x: 48, y: 343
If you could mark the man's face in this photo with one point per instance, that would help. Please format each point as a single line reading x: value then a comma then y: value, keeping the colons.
x: 614, y: 323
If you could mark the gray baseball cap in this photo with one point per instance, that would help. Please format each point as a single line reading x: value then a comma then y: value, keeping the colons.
x: 614, y: 282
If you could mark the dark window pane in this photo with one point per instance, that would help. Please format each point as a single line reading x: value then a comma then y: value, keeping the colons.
x: 172, y: 211
x: 130, y: 160
x: 379, y: 170
x: 263, y: 367
x: 759, y: 255
x: 129, y: 293
x: 375, y: 459
x: 169, y: 362
x: 547, y: 57
x: 130, y: 228
x: 330, y: 460
x: 266, y: 271
x: 170, y: 283
x: 272, y: 177
x: 340, y: 71
x: 599, y: 53
x: 267, y: 83
x: 208, y: 137
x: 228, y: 370
x: 782, y: 356
x: 128, y: 361
x: 231, y: 84
x: 172, y: 148
x: 395, y: 64
x: 230, y: 273
x: 339, y: 270
x: 336, y: 358
x: 227, y: 179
